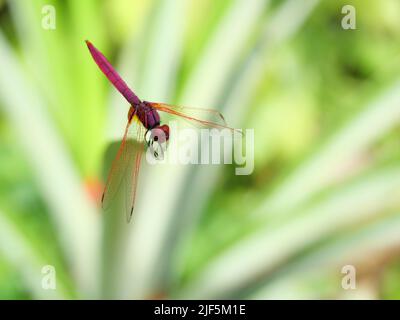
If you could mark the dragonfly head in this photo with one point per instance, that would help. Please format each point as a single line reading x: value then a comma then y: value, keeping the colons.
x: 157, y: 139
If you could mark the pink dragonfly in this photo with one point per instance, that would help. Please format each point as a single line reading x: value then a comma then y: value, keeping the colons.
x: 143, y: 128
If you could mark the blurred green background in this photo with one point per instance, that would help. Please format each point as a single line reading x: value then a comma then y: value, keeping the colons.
x: 325, y: 106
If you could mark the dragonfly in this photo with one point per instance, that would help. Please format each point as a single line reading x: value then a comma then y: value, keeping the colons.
x: 143, y: 130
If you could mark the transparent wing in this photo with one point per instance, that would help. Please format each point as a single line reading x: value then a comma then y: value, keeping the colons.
x: 197, y: 116
x: 123, y: 176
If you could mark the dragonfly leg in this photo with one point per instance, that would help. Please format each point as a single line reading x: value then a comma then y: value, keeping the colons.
x: 131, y: 113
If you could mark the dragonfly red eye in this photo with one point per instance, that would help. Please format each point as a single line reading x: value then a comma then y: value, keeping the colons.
x: 165, y: 129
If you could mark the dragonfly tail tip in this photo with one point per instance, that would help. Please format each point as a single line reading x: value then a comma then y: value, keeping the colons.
x: 130, y: 215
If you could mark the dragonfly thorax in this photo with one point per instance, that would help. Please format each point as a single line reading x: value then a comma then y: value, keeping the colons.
x: 147, y: 115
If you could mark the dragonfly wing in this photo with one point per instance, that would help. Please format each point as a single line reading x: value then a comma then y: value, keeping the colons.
x: 123, y: 176
x: 197, y: 116
x: 136, y: 149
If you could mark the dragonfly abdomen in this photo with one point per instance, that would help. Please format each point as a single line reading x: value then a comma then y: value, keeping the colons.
x: 112, y: 75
